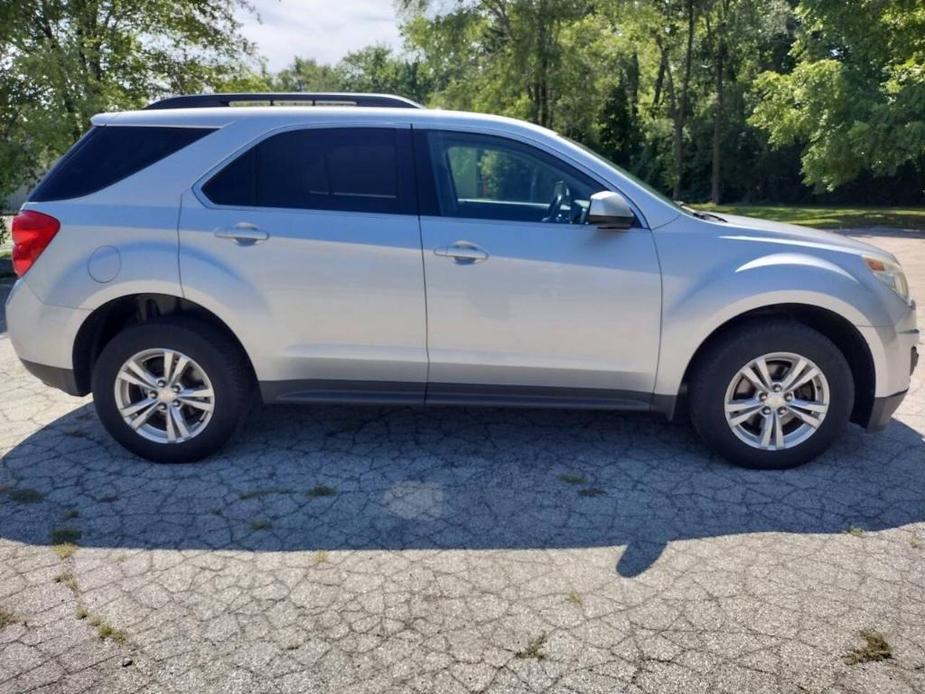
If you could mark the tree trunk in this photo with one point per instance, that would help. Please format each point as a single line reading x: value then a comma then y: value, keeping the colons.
x: 716, y: 183
x: 681, y: 115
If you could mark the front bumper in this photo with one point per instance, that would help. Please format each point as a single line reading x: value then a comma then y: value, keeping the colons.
x: 54, y: 376
x: 883, y: 410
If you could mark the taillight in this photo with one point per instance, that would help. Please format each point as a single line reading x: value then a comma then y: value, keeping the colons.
x: 32, y: 232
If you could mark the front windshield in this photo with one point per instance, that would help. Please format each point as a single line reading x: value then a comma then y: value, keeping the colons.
x: 642, y: 184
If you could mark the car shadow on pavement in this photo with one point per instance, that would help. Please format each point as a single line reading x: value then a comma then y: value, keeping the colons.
x: 344, y: 478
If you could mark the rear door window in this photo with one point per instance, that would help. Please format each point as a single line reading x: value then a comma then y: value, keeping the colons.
x: 108, y: 154
x: 349, y: 169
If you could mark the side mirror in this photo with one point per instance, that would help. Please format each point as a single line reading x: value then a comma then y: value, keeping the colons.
x: 609, y: 210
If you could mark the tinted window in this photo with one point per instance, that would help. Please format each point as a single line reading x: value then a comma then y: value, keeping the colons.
x: 353, y: 169
x: 488, y: 177
x: 106, y: 155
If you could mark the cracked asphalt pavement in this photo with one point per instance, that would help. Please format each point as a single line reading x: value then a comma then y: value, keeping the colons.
x: 341, y: 549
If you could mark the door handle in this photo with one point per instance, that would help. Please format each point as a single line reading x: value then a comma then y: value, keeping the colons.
x: 244, y: 234
x: 463, y: 252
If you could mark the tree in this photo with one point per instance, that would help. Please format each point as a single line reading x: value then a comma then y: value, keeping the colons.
x: 62, y: 61
x: 855, y: 101
x: 509, y: 56
x: 306, y: 75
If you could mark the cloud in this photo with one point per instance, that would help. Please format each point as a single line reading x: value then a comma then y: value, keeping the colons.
x: 325, y: 30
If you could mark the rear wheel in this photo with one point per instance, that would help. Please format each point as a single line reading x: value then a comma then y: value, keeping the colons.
x: 771, y: 395
x: 172, y: 390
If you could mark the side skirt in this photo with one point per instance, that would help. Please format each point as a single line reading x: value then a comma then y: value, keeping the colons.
x: 475, y: 395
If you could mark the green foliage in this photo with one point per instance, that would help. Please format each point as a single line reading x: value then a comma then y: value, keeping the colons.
x: 856, y: 98
x: 62, y: 61
x: 708, y: 99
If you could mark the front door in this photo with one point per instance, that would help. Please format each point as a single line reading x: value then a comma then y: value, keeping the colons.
x: 527, y: 303
x: 309, y: 244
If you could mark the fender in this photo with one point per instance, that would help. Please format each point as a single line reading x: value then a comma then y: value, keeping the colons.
x: 691, y: 313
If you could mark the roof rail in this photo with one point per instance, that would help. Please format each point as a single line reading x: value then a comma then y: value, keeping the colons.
x: 283, y: 99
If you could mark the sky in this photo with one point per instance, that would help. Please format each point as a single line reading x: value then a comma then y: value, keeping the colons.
x: 325, y: 30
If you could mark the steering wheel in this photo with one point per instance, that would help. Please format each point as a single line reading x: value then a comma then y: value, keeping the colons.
x: 560, y: 193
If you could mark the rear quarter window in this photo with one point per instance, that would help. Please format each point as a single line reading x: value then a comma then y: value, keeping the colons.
x: 108, y: 154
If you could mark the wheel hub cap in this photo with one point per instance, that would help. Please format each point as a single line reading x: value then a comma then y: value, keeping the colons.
x: 777, y: 401
x: 164, y: 395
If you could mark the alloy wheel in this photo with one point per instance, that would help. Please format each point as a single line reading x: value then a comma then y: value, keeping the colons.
x: 777, y: 401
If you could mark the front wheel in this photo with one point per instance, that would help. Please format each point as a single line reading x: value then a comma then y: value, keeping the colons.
x: 172, y: 390
x: 771, y: 395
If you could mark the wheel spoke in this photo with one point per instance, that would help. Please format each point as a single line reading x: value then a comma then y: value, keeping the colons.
x: 763, y: 372
x: 742, y: 410
x: 199, y: 392
x: 137, y: 407
x: 806, y: 418
x: 804, y: 379
x: 778, y: 432
x: 171, y: 428
x: 793, y: 374
x: 755, y: 380
x: 767, y: 427
x: 124, y: 375
x: 204, y: 405
x: 176, y: 414
x: 149, y: 379
x: 739, y: 405
x: 817, y: 407
x: 143, y: 417
x: 168, y: 365
x: 178, y: 369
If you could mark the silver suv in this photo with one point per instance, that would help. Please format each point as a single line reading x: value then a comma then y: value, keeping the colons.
x: 188, y: 260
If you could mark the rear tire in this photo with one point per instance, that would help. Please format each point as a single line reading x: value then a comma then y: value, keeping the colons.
x: 743, y: 402
x: 173, y: 390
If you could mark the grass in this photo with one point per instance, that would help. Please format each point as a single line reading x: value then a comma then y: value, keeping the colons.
x: 855, y: 531
x: 25, y: 496
x: 64, y: 541
x: 64, y: 550
x: 259, y: 493
x: 261, y: 524
x: 69, y: 580
x: 534, y: 649
x: 319, y: 491
x: 572, y: 479
x: 875, y: 648
x: 574, y: 598
x: 320, y: 557
x: 103, y: 629
x: 592, y: 491
x: 829, y: 217
x: 7, y: 619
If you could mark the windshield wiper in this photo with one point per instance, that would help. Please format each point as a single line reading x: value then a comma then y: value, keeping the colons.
x: 701, y: 215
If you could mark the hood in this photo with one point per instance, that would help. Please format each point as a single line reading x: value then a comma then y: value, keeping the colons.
x: 751, y: 228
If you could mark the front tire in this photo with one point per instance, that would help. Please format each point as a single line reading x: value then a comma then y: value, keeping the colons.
x: 771, y: 394
x: 172, y: 390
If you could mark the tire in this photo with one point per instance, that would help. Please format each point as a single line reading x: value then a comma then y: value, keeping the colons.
x: 215, y: 364
x: 718, y: 378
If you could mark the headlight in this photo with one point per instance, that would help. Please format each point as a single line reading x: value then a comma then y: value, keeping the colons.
x: 890, y: 274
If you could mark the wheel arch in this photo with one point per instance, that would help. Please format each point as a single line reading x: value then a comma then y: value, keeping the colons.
x: 107, y: 320
x: 837, y: 328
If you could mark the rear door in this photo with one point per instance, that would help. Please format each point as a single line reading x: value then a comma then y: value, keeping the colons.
x: 308, y: 244
x: 526, y: 302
